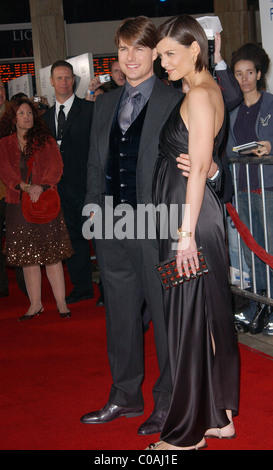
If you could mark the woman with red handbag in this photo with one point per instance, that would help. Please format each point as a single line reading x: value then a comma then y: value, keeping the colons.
x: 36, y: 234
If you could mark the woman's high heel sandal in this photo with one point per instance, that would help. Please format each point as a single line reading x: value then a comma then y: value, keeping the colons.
x: 29, y: 317
x: 219, y: 434
x: 155, y: 445
x: 65, y: 314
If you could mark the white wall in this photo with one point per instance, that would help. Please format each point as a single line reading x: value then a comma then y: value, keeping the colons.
x: 266, y: 15
x: 97, y: 38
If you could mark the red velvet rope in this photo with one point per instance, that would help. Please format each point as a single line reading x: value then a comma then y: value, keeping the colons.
x: 247, y: 237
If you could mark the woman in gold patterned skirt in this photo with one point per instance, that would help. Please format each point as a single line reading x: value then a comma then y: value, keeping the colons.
x: 30, y: 245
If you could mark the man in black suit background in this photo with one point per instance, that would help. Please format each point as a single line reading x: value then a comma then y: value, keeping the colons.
x: 71, y: 128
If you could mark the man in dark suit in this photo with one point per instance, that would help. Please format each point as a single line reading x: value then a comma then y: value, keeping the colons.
x: 70, y: 121
x: 121, y: 166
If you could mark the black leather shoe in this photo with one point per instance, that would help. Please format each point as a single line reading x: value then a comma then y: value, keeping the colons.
x: 154, y: 423
x: 100, y: 301
x: 75, y: 297
x: 110, y: 412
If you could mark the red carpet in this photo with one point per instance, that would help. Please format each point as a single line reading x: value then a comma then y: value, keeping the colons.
x: 54, y: 370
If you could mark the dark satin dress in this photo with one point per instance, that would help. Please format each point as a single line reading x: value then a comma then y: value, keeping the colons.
x: 204, y: 384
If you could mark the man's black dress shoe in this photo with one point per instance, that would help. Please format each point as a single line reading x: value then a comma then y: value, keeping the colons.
x: 76, y: 297
x: 100, y: 301
x: 154, y: 423
x: 110, y: 412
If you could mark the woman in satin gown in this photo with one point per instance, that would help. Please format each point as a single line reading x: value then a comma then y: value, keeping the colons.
x: 202, y: 342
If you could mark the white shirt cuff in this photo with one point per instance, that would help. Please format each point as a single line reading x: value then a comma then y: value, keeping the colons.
x: 221, y: 65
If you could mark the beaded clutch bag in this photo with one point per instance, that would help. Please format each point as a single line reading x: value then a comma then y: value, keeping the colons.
x: 168, y: 273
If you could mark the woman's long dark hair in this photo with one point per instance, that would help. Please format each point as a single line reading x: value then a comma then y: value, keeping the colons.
x: 35, y: 137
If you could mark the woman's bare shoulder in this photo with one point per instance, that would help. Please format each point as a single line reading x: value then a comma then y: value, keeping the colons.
x: 205, y: 94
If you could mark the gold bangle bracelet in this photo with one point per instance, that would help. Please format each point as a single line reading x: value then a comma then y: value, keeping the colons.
x: 182, y: 233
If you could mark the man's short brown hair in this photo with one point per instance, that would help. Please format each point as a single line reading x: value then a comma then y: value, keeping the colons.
x: 138, y: 31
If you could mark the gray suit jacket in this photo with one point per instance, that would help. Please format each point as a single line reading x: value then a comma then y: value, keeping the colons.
x: 162, y: 101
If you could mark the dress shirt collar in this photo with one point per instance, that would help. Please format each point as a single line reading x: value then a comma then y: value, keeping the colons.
x: 145, y: 88
x: 67, y: 105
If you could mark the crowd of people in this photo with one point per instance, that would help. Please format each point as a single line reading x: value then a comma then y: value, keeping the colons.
x: 137, y: 142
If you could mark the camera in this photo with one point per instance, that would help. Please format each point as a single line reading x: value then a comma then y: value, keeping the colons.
x: 211, y: 46
x: 104, y: 78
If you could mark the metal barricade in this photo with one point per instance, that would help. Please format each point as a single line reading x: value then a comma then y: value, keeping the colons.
x: 267, y: 297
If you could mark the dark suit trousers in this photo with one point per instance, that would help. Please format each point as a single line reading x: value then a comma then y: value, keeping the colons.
x: 129, y: 278
x: 79, y: 265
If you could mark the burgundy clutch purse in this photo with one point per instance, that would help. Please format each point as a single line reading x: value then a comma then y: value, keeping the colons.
x: 44, y: 210
x: 168, y: 273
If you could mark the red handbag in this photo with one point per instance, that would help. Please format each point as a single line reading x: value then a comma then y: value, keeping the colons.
x: 45, y: 209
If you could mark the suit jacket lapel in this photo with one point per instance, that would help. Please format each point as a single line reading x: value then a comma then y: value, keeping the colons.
x: 106, y: 118
x: 73, y: 113
x: 156, y: 109
x: 158, y: 105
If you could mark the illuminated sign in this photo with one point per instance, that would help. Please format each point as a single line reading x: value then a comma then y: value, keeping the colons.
x: 11, y: 70
x: 102, y: 65
x: 16, y: 53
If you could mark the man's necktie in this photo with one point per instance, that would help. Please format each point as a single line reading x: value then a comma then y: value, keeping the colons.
x: 61, y: 123
x: 125, y: 114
